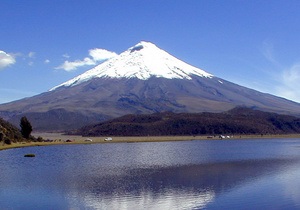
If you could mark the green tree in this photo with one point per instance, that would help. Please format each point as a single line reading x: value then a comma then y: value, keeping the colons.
x: 26, y: 127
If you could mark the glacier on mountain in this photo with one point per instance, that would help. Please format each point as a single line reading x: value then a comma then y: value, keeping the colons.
x: 141, y: 61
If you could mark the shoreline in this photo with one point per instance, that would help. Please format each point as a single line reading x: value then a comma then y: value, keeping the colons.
x: 60, y: 139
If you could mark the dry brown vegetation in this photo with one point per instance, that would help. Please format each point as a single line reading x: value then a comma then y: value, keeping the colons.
x: 60, y: 139
x: 238, y: 121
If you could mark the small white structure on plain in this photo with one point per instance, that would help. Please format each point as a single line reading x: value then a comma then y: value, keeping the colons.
x: 108, y: 139
x: 90, y: 140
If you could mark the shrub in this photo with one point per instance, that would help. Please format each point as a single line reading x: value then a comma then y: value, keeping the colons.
x: 39, y: 139
x: 7, y: 141
x: 1, y: 136
x: 29, y: 155
x: 26, y: 127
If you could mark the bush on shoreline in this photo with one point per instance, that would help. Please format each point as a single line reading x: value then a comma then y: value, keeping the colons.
x: 11, y: 134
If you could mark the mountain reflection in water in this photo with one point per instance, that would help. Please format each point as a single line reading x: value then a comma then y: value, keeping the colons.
x: 171, y: 175
x: 180, y: 187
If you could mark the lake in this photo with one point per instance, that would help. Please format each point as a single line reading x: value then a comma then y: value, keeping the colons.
x: 206, y: 174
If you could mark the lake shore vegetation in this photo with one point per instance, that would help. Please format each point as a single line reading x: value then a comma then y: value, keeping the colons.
x: 61, y: 139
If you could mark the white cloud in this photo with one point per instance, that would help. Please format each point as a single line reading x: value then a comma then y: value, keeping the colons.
x: 6, y: 59
x: 47, y: 61
x: 101, y: 54
x: 96, y: 56
x: 73, y: 65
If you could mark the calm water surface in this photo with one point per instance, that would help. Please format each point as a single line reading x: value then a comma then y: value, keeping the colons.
x: 247, y: 174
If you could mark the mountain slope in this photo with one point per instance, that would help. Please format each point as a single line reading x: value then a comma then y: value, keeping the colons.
x: 142, y: 80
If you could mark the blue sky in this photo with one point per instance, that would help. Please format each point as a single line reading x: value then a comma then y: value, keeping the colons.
x: 254, y: 43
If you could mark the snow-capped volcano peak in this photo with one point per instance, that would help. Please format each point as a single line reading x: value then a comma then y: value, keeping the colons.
x: 141, y: 61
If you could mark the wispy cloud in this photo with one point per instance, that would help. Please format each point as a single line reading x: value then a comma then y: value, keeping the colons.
x: 290, y: 83
x: 6, y: 59
x: 268, y: 51
x: 286, y: 79
x: 66, y: 56
x: 47, y: 61
x: 73, y: 65
x: 31, y: 54
x: 95, y: 56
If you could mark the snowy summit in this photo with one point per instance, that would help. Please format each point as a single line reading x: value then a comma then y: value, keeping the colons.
x: 141, y: 61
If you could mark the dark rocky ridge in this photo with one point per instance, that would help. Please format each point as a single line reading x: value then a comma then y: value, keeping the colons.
x: 236, y: 121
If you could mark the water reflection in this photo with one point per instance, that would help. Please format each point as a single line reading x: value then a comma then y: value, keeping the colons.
x: 170, y: 175
x: 266, y: 192
x: 179, y: 187
x: 147, y: 200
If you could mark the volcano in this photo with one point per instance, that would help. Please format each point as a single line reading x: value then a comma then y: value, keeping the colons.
x: 143, y: 79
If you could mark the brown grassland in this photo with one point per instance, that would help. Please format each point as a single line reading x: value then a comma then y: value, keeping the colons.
x: 60, y: 139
